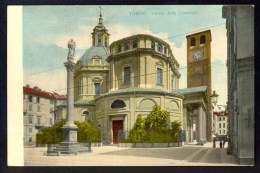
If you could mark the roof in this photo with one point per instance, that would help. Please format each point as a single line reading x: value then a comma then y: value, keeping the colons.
x: 82, y: 102
x: 140, y: 35
x: 95, y: 51
x: 38, y: 92
x: 139, y: 91
x: 220, y: 110
x: 190, y: 90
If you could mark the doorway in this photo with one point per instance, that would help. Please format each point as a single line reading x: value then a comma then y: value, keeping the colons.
x: 117, y: 126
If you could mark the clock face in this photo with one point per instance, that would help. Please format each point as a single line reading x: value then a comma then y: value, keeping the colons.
x: 198, y: 54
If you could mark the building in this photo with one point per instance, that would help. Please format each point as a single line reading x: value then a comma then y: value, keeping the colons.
x: 117, y: 82
x: 220, y: 120
x: 39, y: 111
x: 240, y: 64
x: 199, y: 69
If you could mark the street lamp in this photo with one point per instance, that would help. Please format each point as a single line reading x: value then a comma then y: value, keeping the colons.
x: 214, y: 97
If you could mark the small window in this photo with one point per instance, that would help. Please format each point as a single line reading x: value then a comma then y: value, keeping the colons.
x: 97, y: 88
x: 219, y: 125
x: 224, y: 125
x: 159, y: 48
x: 118, y: 104
x: 192, y: 42
x: 159, y: 76
x: 153, y: 45
x: 30, y: 130
x: 30, y: 107
x: 38, y: 100
x: 202, y: 39
x: 135, y: 44
x: 30, y: 98
x: 223, y: 118
x: 30, y: 119
x: 30, y: 139
x: 127, y: 74
x: 119, y: 48
x: 38, y: 120
x: 126, y: 46
x: 85, y: 113
x: 38, y: 108
x: 219, y: 119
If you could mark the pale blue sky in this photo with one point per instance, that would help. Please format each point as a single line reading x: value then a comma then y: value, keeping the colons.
x: 46, y: 30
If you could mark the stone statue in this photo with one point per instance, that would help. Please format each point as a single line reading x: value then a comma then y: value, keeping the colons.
x: 71, y: 46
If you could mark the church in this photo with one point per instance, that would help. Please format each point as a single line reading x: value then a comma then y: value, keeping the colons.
x: 114, y: 83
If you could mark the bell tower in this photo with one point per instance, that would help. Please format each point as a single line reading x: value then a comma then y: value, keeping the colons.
x: 100, y: 35
x: 199, y: 67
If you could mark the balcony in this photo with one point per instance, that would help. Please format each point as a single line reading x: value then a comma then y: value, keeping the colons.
x: 39, y: 126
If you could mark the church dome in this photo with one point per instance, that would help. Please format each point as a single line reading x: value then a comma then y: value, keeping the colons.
x: 101, y: 52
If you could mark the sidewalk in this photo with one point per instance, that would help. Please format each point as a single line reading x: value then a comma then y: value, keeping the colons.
x: 188, y: 155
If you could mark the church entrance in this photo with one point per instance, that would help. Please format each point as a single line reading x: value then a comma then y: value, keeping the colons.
x: 117, y: 126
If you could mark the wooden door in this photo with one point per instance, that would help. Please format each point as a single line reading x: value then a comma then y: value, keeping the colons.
x: 117, y: 126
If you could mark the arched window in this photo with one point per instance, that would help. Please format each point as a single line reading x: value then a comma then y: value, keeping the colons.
x: 192, y: 42
x: 134, y: 44
x: 85, y: 113
x: 159, y: 48
x: 202, y: 39
x: 118, y: 104
x: 106, y: 42
x: 99, y: 39
x: 126, y: 46
x: 153, y: 45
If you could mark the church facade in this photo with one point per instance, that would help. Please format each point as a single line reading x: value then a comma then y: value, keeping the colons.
x: 114, y: 83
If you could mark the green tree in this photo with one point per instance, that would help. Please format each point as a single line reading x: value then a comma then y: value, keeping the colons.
x: 157, y: 119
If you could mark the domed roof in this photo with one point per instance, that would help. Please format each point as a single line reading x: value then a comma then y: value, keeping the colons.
x: 95, y: 51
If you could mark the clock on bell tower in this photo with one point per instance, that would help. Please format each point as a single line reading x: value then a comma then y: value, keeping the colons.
x: 199, y: 67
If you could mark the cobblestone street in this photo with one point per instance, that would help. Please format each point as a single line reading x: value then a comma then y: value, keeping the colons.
x: 188, y: 155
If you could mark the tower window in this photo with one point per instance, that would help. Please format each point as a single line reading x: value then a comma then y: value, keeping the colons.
x: 99, y: 39
x: 97, y: 88
x: 119, y: 48
x: 159, y: 48
x: 106, y: 42
x: 192, y: 42
x: 126, y: 46
x: 153, y: 45
x: 135, y: 44
x: 159, y: 76
x: 127, y: 74
x: 202, y: 39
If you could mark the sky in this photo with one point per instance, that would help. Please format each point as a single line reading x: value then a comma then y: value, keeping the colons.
x: 47, y: 29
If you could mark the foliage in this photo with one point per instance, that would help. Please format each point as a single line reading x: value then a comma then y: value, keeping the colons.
x: 54, y: 135
x: 154, y: 128
x: 51, y: 135
x: 87, y: 132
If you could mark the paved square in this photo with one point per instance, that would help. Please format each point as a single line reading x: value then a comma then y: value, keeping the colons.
x: 188, y: 155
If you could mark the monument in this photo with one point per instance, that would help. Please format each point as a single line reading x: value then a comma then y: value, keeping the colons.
x: 69, y: 144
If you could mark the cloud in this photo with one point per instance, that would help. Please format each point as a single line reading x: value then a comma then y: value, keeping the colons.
x: 52, y: 81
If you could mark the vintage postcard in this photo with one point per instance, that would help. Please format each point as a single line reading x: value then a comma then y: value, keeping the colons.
x: 139, y: 85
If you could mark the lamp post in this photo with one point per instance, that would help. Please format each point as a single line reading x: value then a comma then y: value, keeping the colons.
x: 214, y: 98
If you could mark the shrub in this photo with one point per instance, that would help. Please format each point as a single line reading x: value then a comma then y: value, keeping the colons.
x: 154, y: 129
x: 54, y: 135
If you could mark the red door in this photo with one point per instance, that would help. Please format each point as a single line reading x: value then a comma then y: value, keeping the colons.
x: 117, y: 126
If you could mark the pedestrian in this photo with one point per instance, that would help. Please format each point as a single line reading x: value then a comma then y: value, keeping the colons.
x: 220, y: 144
